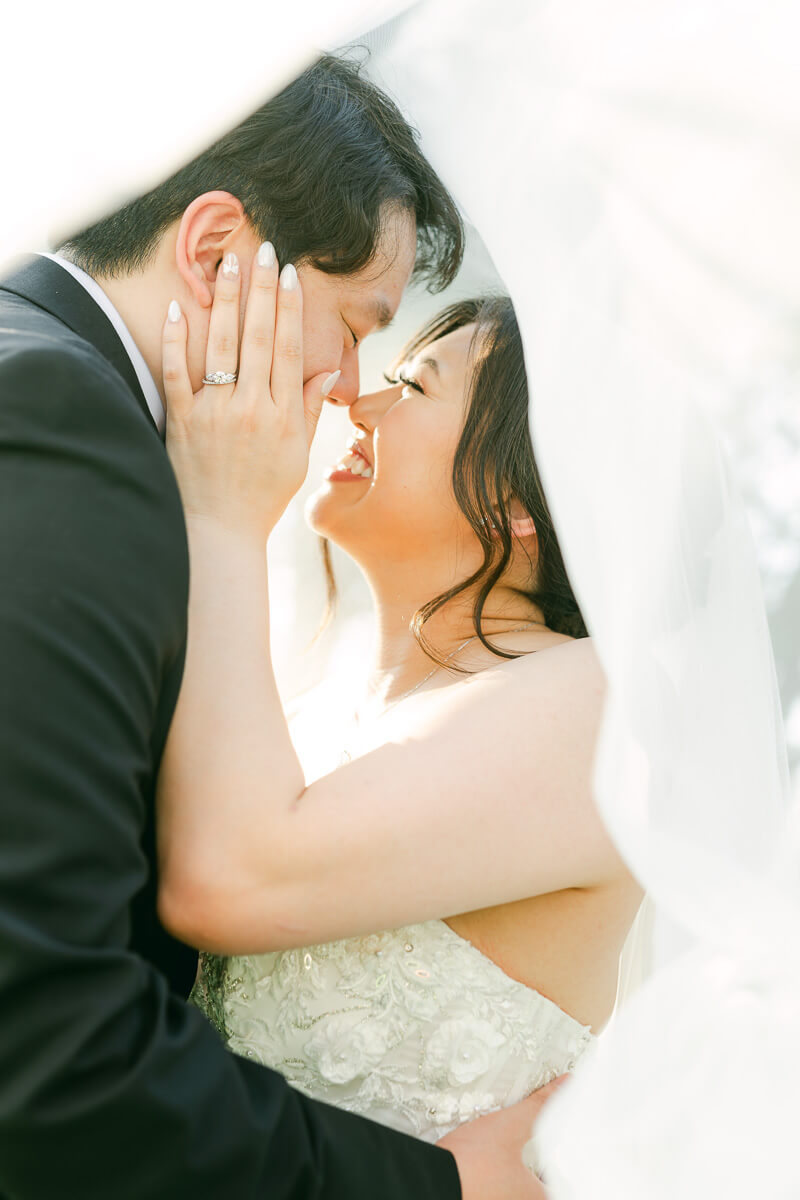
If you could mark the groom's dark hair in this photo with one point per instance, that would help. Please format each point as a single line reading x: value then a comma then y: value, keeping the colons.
x: 314, y: 168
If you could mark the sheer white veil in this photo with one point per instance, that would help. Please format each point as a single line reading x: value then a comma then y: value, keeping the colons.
x: 634, y: 170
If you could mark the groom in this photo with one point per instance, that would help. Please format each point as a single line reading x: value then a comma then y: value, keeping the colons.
x: 110, y: 1084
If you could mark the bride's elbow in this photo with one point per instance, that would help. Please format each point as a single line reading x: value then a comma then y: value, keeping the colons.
x: 191, y: 914
x: 201, y: 914
x: 226, y: 919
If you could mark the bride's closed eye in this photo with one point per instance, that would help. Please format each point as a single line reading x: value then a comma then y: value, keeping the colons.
x: 405, y: 379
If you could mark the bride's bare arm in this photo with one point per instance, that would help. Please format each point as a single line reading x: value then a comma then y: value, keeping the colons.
x: 491, y: 803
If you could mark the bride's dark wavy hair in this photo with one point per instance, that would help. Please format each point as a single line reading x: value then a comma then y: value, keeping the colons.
x: 494, y: 461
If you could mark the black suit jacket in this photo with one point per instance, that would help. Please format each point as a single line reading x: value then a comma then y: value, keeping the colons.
x: 111, y: 1086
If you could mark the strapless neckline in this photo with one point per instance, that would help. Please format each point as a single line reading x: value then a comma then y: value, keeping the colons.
x: 510, y: 981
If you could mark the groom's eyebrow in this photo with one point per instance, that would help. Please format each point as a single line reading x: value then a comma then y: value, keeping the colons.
x: 381, y: 313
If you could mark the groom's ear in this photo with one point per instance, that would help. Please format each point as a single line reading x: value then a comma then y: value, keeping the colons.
x: 207, y: 226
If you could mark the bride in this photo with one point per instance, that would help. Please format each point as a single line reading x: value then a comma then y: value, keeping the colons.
x: 431, y: 928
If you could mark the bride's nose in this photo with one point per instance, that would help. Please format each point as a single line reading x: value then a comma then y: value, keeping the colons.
x: 367, y: 410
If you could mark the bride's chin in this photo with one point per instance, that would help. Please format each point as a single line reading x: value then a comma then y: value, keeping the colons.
x: 314, y: 510
x: 325, y: 514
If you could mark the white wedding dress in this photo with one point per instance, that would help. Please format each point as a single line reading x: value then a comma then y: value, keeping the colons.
x: 415, y: 1027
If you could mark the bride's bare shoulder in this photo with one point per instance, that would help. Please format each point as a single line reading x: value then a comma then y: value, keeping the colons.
x: 562, y: 684
x: 570, y: 654
x: 567, y: 662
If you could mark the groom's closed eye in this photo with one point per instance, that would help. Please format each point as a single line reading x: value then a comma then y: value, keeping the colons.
x: 381, y: 313
x: 374, y: 315
x: 352, y: 334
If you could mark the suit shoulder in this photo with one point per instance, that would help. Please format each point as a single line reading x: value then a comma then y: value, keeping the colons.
x: 27, y: 328
x: 59, y: 394
x: 43, y: 371
x: 62, y: 402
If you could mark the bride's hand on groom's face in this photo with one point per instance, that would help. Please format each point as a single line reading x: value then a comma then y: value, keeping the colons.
x: 240, y: 448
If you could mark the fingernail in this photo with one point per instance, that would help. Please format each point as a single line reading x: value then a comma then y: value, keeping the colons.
x: 230, y: 266
x: 174, y: 312
x: 330, y: 384
x: 288, y: 278
x: 266, y: 255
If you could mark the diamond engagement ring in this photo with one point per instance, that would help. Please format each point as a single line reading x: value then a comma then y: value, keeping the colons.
x: 221, y: 377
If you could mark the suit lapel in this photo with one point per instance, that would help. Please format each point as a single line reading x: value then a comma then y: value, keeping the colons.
x: 48, y: 286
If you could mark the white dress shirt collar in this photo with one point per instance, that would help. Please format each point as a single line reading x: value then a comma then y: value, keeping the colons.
x: 146, y: 381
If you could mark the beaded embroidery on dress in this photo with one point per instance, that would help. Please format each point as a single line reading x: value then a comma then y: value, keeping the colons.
x: 414, y: 1027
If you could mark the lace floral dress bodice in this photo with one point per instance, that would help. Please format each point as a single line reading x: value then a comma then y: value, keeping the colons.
x: 415, y: 1028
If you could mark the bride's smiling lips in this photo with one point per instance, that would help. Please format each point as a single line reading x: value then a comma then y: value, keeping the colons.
x: 353, y: 466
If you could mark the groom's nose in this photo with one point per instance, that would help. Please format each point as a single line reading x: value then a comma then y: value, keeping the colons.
x: 346, y: 391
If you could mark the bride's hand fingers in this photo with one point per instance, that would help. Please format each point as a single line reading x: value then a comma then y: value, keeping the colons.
x: 286, y: 382
x: 315, y: 393
x: 222, y: 351
x: 258, y: 337
x: 177, y: 384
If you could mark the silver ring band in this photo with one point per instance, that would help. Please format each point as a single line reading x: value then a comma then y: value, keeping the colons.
x: 217, y: 377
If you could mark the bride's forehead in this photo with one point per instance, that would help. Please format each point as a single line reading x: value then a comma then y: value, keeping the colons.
x: 450, y: 351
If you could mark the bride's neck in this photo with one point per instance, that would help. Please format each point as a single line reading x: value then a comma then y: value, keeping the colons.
x: 398, y: 663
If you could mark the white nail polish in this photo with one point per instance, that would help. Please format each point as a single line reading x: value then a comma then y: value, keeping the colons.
x: 230, y: 266
x: 174, y: 312
x: 266, y: 255
x: 330, y: 384
x: 288, y: 278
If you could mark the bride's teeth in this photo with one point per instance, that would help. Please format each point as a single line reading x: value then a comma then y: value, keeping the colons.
x: 355, y: 465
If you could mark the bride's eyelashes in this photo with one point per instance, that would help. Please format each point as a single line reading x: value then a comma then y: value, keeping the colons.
x: 405, y: 379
